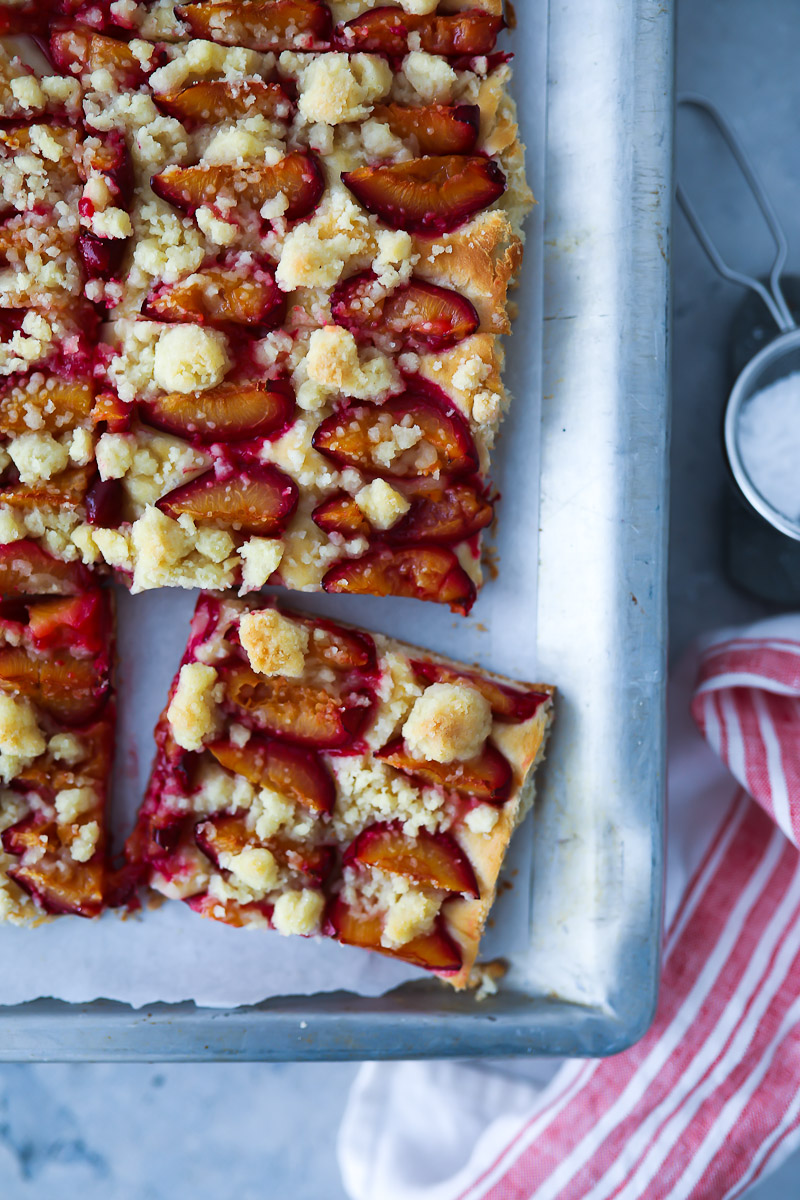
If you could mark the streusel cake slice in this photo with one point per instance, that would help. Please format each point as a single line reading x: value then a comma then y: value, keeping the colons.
x: 314, y: 778
x: 56, y: 736
x: 298, y: 224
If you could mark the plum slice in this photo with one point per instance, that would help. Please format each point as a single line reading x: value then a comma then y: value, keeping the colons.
x: 342, y: 649
x: 109, y: 156
x: 55, y: 881
x: 431, y: 195
x: 109, y: 410
x: 260, y: 24
x: 105, y: 503
x: 297, y: 176
x: 290, y: 770
x: 234, y: 293
x: 508, y: 704
x: 433, y: 128
x: 46, y: 771
x: 107, y: 153
x: 431, y: 860
x: 227, y: 833
x: 59, y: 404
x: 217, y: 100
x: 101, y: 256
x: 156, y: 836
x: 29, y: 18
x: 435, y: 951
x: 65, y: 490
x: 61, y: 887
x: 26, y: 569
x: 69, y: 621
x: 386, y: 30
x: 341, y: 514
x: 487, y: 777
x: 418, y: 572
x: 297, y: 711
x: 417, y: 316
x: 66, y: 687
x: 19, y: 138
x: 370, y: 437
x: 228, y: 412
x: 81, y: 51
x: 229, y: 912
x: 259, y: 500
x: 445, y: 513
x: 442, y: 513
x: 224, y: 833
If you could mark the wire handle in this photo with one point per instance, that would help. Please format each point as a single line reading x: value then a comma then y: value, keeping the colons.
x: 772, y: 297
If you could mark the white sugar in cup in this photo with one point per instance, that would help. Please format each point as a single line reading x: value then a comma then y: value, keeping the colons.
x: 762, y: 433
x: 768, y: 436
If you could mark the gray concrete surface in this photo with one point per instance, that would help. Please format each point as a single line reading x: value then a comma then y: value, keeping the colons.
x: 742, y: 55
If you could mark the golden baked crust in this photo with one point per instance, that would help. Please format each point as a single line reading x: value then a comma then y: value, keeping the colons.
x: 468, y: 917
x: 369, y: 793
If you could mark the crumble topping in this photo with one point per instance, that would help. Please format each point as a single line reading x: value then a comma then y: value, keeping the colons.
x: 84, y: 844
x: 15, y: 906
x: 298, y: 912
x: 192, y: 713
x: 419, y: 7
x: 256, y: 868
x: 67, y: 748
x: 271, y: 811
x: 411, y: 915
x: 397, y: 690
x: 72, y: 803
x: 447, y: 722
x: 198, y: 59
x: 273, y: 644
x: 316, y: 252
x: 261, y: 558
x: 482, y: 819
x: 217, y: 231
x: 432, y: 78
x: 333, y: 363
x: 341, y: 87
x: 189, y: 358
x: 371, y: 791
x: 37, y: 456
x: 114, y: 454
x: 382, y: 504
x: 21, y: 739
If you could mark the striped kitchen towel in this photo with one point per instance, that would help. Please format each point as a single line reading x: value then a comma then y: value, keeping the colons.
x: 709, y: 1101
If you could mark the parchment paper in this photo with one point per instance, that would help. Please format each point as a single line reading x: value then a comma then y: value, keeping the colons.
x: 171, y: 954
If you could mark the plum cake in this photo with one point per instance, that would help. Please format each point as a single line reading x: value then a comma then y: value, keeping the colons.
x: 254, y: 265
x: 56, y: 735
x: 316, y: 779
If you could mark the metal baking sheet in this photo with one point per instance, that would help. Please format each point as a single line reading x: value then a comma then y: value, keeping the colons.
x: 587, y: 983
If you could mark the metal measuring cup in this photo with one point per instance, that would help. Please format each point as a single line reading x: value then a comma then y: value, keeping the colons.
x: 758, y: 555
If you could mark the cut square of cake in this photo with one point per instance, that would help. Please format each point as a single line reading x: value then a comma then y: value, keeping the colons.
x: 293, y: 225
x: 56, y: 736
x: 314, y: 778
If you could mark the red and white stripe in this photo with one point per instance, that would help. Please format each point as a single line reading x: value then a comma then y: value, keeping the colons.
x: 709, y: 1100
